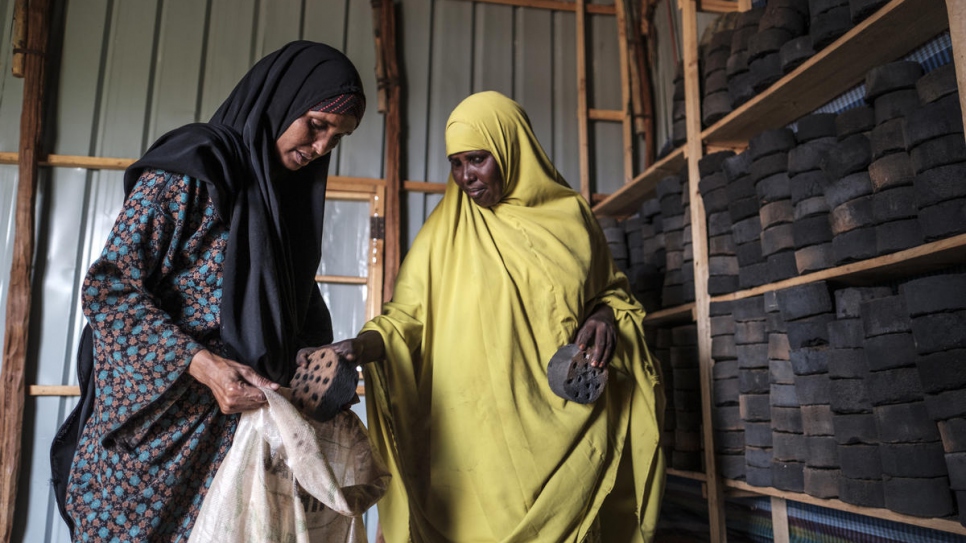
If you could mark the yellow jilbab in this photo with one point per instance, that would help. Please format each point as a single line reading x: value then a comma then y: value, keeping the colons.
x: 480, y: 448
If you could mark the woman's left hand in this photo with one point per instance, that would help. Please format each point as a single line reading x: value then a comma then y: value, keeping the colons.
x: 599, y: 331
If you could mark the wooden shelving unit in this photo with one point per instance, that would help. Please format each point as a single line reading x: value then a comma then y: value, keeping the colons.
x: 668, y: 315
x: 627, y: 199
x: 893, y: 31
x: 924, y: 258
x: 932, y: 523
x: 896, y: 29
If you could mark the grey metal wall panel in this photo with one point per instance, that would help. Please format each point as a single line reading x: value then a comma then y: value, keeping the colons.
x: 608, y: 151
x: 603, y: 78
x: 77, y: 103
x: 450, y: 79
x: 177, y: 72
x: 8, y: 209
x: 493, y: 40
x: 565, y: 150
x: 415, y: 24
x: 278, y: 22
x: 325, y: 22
x: 229, y: 50
x: 127, y: 77
x: 11, y: 88
x: 534, y: 66
x: 362, y: 153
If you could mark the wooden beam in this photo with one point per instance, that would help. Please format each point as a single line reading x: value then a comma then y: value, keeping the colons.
x: 779, y: 520
x: 668, y: 315
x: 626, y: 200
x: 384, y: 16
x: 341, y: 279
x: 19, y: 37
x: 54, y: 390
x: 17, y: 323
x: 555, y: 5
x: 719, y: 6
x: 699, y: 240
x: 917, y: 260
x: 944, y: 525
x: 583, y: 136
x: 693, y: 475
x: 612, y: 115
x: 424, y: 186
x: 627, y: 130
x: 956, y: 10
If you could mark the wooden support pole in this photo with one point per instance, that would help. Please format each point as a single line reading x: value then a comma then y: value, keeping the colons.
x: 957, y: 32
x: 583, y: 136
x: 384, y: 12
x: 19, y: 37
x: 779, y: 520
x: 626, y: 107
x: 699, y: 240
x: 12, y: 389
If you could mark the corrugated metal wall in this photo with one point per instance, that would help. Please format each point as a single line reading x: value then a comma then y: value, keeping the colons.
x: 133, y: 69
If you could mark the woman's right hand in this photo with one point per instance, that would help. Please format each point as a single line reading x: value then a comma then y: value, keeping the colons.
x: 362, y: 349
x: 234, y: 385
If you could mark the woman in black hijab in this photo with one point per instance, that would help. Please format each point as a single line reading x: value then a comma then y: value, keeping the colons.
x: 204, y: 292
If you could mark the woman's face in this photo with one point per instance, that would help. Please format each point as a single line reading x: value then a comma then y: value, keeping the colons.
x: 310, y: 136
x: 478, y: 175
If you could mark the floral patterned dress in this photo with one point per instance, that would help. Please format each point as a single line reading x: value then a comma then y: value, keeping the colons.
x: 156, y: 436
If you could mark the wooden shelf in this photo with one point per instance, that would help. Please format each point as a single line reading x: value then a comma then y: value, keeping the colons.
x: 894, y: 30
x: 921, y: 259
x: 695, y: 475
x: 681, y: 313
x: 932, y: 523
x: 627, y: 199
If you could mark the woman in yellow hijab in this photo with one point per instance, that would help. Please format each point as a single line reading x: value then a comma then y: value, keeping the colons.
x: 510, y: 267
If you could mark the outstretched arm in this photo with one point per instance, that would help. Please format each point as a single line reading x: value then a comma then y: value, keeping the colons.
x: 362, y: 349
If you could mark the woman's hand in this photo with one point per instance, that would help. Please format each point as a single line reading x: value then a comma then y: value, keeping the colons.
x: 234, y: 385
x: 366, y: 347
x: 600, y: 332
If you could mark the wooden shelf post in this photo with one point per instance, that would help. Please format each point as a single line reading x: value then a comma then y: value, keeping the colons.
x: 12, y: 374
x: 699, y: 240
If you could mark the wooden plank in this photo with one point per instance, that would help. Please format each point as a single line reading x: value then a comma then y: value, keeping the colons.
x: 554, y: 5
x: 610, y: 115
x: 627, y: 132
x: 626, y: 200
x: 668, y: 315
x: 699, y: 240
x: 54, y: 390
x: 386, y: 51
x: 884, y: 514
x: 19, y: 37
x: 17, y: 323
x: 376, y: 257
x: 779, y: 520
x: 341, y: 279
x: 583, y: 137
x: 957, y: 32
x: 917, y: 260
x: 719, y: 6
x: 897, y: 28
x: 424, y: 186
x: 693, y: 475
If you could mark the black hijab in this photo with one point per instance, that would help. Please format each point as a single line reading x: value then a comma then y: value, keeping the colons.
x: 271, y: 306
